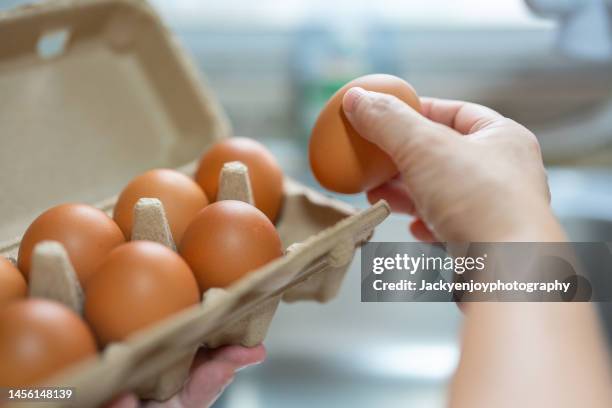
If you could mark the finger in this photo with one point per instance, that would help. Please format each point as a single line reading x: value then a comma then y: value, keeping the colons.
x: 123, y: 401
x: 211, y: 372
x: 392, y: 125
x: 240, y: 357
x: 464, y: 117
x: 206, y: 383
x: 421, y: 232
x: 202, y: 356
x: 396, y: 194
x: 202, y: 389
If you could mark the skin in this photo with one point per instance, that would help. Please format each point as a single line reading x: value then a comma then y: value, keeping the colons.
x: 469, y: 174
x: 212, y: 371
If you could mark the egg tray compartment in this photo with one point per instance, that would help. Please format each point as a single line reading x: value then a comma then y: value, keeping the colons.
x: 155, y: 362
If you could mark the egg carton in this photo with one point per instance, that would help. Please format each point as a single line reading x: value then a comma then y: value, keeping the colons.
x: 53, y: 277
x: 119, y: 96
x: 155, y: 362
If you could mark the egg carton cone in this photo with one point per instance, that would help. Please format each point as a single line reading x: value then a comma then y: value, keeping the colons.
x: 150, y: 223
x: 53, y: 277
x: 167, y: 119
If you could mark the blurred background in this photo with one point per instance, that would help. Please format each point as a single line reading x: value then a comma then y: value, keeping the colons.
x: 273, y: 64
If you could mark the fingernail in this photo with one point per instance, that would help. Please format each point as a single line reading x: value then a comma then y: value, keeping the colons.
x: 249, y: 365
x: 352, y: 98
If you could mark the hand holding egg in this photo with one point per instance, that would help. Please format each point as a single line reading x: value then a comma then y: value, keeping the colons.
x: 340, y: 159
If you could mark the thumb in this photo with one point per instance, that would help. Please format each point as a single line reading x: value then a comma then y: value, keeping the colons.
x: 392, y: 125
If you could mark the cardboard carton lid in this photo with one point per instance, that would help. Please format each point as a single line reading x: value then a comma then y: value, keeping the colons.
x: 93, y: 93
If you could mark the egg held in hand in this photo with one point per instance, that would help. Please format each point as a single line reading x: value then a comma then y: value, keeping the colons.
x: 227, y: 240
x: 343, y: 161
x: 87, y: 234
x: 38, y: 339
x: 181, y: 197
x: 265, y: 174
x: 138, y: 284
x: 12, y: 284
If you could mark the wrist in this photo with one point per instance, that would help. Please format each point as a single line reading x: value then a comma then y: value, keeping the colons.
x: 532, y: 222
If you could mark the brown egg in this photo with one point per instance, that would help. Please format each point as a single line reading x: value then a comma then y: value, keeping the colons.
x: 39, y: 338
x: 12, y: 284
x: 87, y: 234
x: 264, y: 172
x: 226, y: 240
x: 138, y: 284
x: 181, y: 196
x: 340, y: 159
